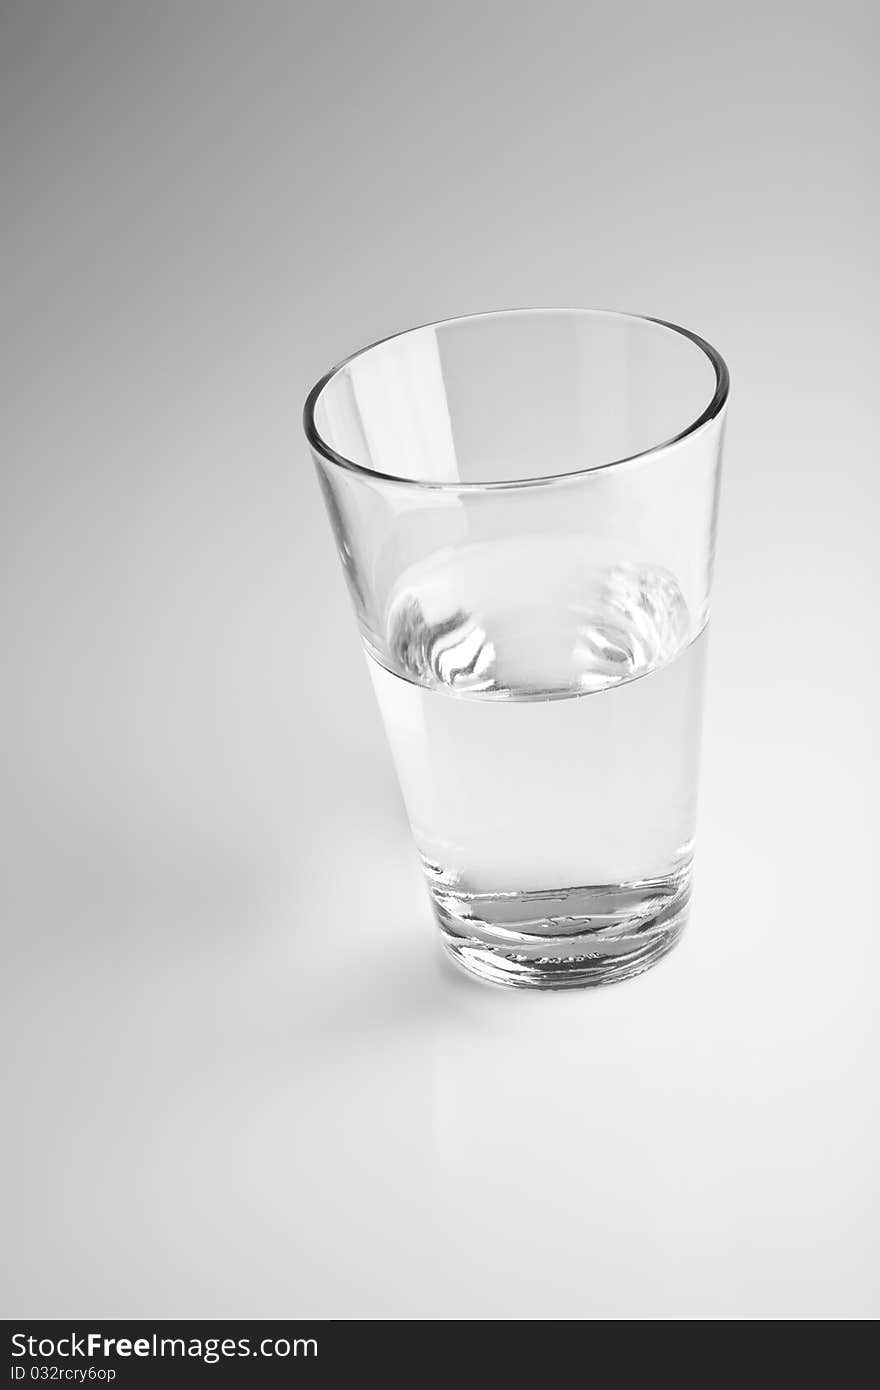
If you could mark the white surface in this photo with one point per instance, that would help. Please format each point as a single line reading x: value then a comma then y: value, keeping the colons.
x: 241, y: 1080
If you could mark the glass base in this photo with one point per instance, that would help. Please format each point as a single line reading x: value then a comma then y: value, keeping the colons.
x: 565, y: 939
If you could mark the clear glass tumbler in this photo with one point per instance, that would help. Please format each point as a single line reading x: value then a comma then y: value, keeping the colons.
x: 525, y: 507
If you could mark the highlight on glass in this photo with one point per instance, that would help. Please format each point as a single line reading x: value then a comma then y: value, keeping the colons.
x: 525, y: 504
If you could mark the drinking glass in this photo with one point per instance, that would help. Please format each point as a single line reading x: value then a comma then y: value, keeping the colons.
x: 525, y: 505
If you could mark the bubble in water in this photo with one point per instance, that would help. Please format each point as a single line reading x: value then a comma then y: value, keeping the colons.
x: 531, y: 618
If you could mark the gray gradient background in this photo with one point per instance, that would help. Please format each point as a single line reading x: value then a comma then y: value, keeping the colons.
x: 241, y: 1080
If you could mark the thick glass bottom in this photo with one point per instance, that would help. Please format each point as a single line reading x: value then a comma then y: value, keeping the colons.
x: 565, y: 939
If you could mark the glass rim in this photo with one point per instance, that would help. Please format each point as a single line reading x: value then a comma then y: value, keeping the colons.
x: 329, y: 454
